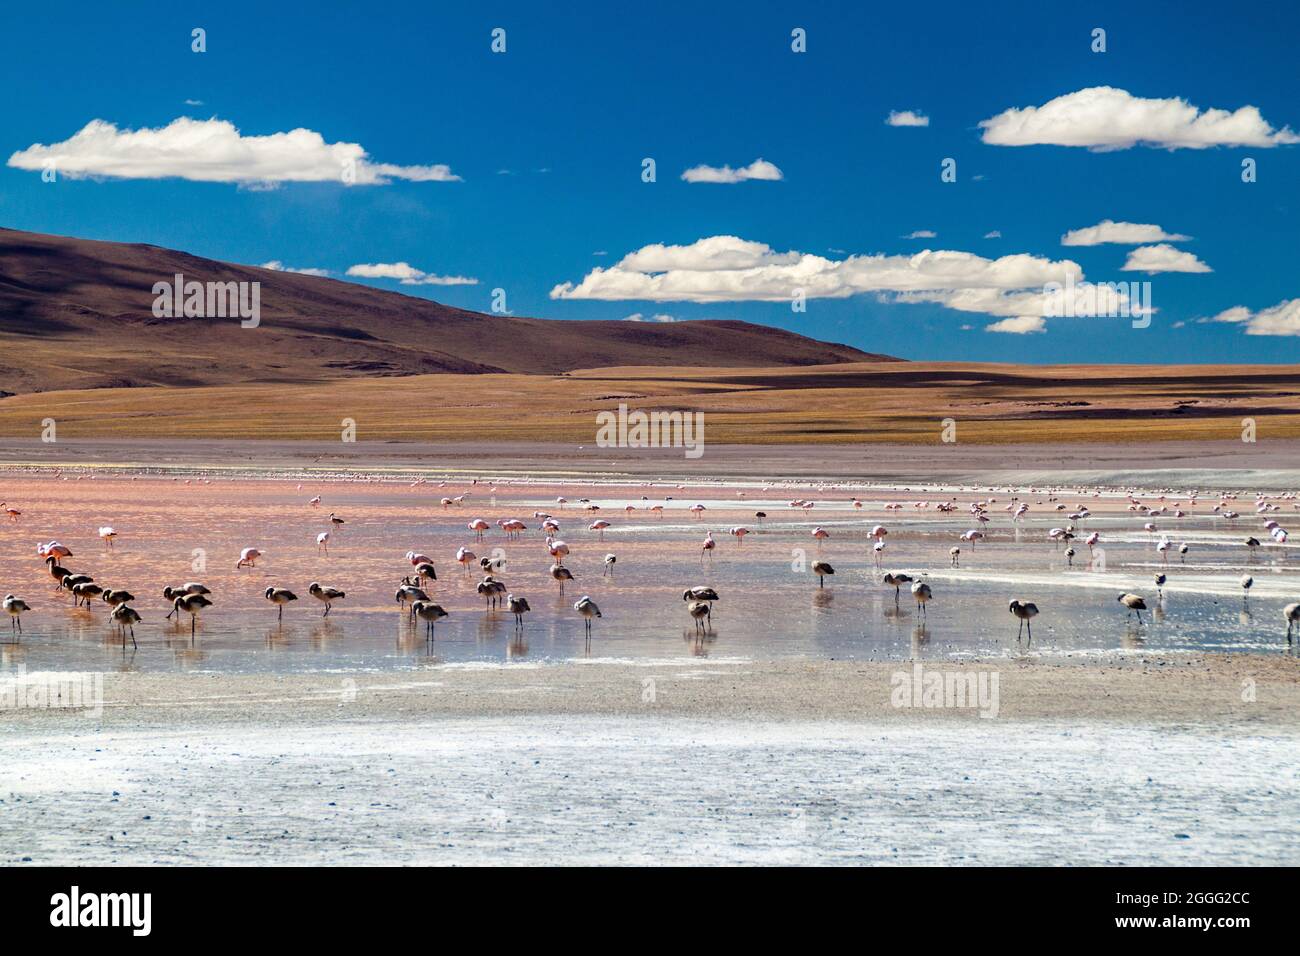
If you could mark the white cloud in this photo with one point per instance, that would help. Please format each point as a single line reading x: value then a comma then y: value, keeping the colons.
x: 1020, y: 287
x: 1020, y: 325
x: 1105, y: 118
x: 995, y: 234
x: 1280, y: 319
x: 193, y: 102
x: 214, y: 151
x: 1162, y: 258
x: 730, y: 269
x: 1122, y: 233
x: 921, y: 234
x: 275, y: 265
x: 906, y: 118
x: 758, y: 169
x: 406, y: 273
x: 660, y: 317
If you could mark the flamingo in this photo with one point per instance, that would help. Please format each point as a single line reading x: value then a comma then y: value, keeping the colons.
x: 465, y: 557
x: 558, y: 549
x: 561, y: 574
x: 16, y: 607
x: 57, y: 571
x: 410, y: 593
x: 1292, y: 615
x: 955, y: 554
x: 821, y: 569
x: 700, y: 593
x: 314, y: 502
x: 701, y: 612
x: 1069, y: 557
x: 107, y: 534
x: 708, y: 546
x: 426, y: 572
x: 739, y: 534
x: 1247, y: 582
x: 323, y: 541
x: 1026, y: 611
x: 191, y: 604
x: 248, y: 557
x: 697, y: 510
x: 1134, y: 603
x: 609, y: 565
x: 280, y: 597
x: 896, y: 580
x: 518, y: 607
x: 600, y: 525
x: 430, y: 613
x: 921, y: 591
x: 821, y: 534
x: 126, y: 618
x: 13, y: 513
x: 478, y: 526
x: 588, y: 609
x: 878, y: 549
x: 325, y: 595
x: 416, y: 558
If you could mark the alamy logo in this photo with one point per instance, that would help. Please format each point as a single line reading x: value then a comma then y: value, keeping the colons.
x: 208, y: 300
x: 103, y: 909
x: 653, y: 430
x: 963, y: 689
x: 52, y: 691
x: 1101, y: 299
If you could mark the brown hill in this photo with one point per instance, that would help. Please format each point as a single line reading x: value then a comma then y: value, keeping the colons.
x: 77, y: 313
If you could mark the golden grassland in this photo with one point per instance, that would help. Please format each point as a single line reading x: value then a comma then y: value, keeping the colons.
x: 852, y: 403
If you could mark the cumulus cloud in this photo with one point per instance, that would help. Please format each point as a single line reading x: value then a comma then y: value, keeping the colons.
x: 660, y: 317
x: 405, y: 273
x: 1280, y: 319
x: 1163, y: 258
x: 275, y: 265
x: 758, y: 169
x: 214, y: 151
x: 1020, y: 325
x: 1104, y: 118
x: 1121, y: 233
x: 921, y: 234
x: 906, y: 118
x: 1021, y: 287
x: 731, y: 269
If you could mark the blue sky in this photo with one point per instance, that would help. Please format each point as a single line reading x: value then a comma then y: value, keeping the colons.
x: 585, y: 92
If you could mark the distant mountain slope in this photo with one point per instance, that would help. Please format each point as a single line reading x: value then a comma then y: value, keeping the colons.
x: 77, y: 313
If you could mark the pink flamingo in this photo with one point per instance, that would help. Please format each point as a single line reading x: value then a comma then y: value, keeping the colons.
x: 107, y: 534
x: 53, y: 550
x: 599, y: 525
x: 697, y: 510
x: 558, y: 549
x: 323, y: 541
x: 465, y: 557
x: 740, y: 534
x: 478, y: 526
x: 879, y: 531
x: 821, y: 534
x: 708, y: 546
x: 416, y: 558
x: 248, y: 557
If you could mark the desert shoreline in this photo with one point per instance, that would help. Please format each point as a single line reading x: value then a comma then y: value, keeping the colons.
x: 1211, y: 690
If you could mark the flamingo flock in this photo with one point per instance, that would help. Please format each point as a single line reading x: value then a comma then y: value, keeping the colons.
x: 413, y: 593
